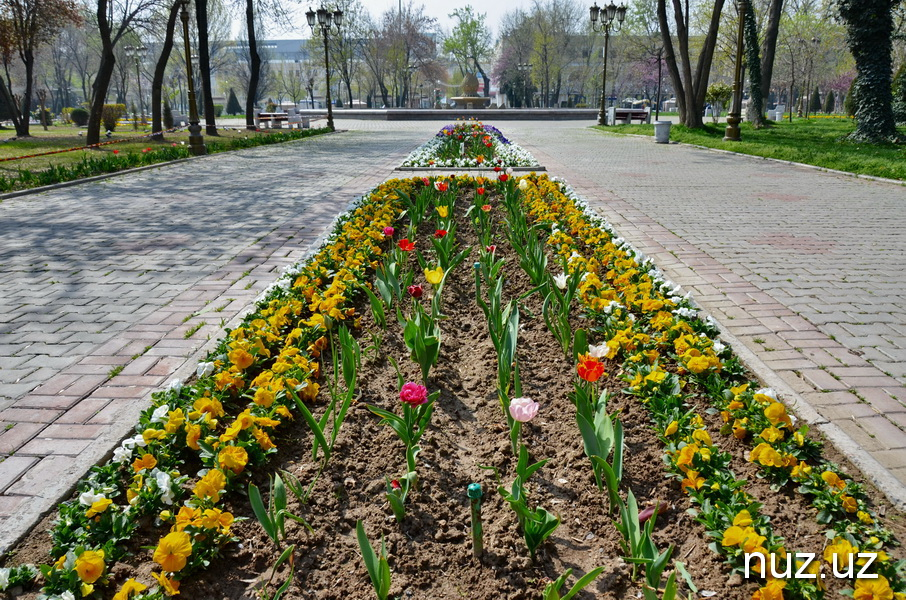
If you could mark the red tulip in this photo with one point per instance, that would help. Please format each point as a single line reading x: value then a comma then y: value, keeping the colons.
x: 440, y: 233
x: 415, y: 291
x: 406, y: 245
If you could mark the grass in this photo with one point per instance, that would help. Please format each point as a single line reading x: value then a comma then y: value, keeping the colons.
x: 66, y: 137
x: 817, y: 141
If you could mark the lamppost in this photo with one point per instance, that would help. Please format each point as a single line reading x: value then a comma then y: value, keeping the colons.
x: 526, y: 70
x: 196, y: 140
x: 137, y: 52
x: 734, y: 117
x: 607, y: 16
x: 325, y: 20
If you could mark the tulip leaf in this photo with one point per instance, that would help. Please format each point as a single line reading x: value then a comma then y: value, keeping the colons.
x: 316, y: 428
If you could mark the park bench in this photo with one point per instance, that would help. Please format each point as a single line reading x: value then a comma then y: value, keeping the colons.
x: 272, y: 120
x: 627, y: 115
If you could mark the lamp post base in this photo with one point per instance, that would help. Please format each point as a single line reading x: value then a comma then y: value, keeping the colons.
x: 731, y: 134
x: 196, y: 140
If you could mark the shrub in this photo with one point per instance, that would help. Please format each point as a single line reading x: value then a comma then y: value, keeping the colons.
x: 899, y: 94
x: 718, y: 95
x: 851, y: 104
x: 111, y: 114
x: 66, y: 114
x: 167, y: 115
x: 814, y: 104
x: 233, y: 107
x: 79, y: 116
x: 218, y: 110
x: 829, y: 102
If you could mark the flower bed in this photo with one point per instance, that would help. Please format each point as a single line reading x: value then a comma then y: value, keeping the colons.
x: 470, y: 144
x: 498, y: 325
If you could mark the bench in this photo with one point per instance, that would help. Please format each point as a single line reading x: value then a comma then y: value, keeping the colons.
x: 627, y: 115
x: 270, y: 120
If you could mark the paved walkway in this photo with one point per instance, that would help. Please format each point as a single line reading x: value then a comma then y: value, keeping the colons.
x: 803, y: 267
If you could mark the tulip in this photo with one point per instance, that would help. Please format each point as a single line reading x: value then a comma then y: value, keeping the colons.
x: 503, y: 177
x: 560, y: 281
x: 443, y: 211
x: 441, y: 186
x: 413, y: 394
x: 523, y: 184
x: 491, y: 249
x: 388, y: 231
x: 406, y: 245
x: 440, y: 233
x: 434, y: 276
x: 415, y: 291
x: 486, y: 208
x: 480, y: 191
x: 523, y: 409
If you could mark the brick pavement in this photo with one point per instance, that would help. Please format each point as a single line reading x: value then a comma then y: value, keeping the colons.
x: 110, y: 289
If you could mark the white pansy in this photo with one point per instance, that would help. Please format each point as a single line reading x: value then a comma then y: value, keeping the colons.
x: 204, y: 369
x: 160, y: 413
x: 175, y: 386
x: 163, y: 485
x: 560, y: 280
x: 67, y: 595
x: 686, y: 313
x: 4, y: 579
x: 132, y: 442
x: 599, y: 351
x: 719, y: 347
x: 89, y: 498
x: 122, y: 454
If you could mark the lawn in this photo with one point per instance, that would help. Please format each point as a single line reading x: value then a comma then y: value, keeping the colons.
x: 817, y: 141
x: 19, y: 169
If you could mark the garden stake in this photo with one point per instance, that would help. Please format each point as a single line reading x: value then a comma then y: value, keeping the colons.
x: 475, y: 500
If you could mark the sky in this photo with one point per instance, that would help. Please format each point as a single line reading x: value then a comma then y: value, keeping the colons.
x: 439, y: 9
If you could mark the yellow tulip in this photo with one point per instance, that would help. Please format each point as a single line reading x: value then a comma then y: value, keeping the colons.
x: 434, y: 276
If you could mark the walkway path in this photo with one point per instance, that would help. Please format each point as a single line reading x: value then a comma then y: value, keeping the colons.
x: 803, y: 267
x: 106, y: 290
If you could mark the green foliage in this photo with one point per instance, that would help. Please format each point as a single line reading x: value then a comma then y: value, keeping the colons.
x: 829, y: 102
x: 552, y: 591
x: 899, y: 94
x: 471, y: 41
x: 377, y: 565
x: 601, y: 435
x: 753, y: 68
x: 869, y: 32
x: 719, y: 95
x: 112, y: 113
x: 850, y: 103
x: 79, y: 116
x: 218, y: 110
x: 814, y: 104
x: 233, y: 107
x: 273, y: 516
x: 167, y: 115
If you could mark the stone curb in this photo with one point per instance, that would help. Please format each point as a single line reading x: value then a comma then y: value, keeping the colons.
x: 874, y: 471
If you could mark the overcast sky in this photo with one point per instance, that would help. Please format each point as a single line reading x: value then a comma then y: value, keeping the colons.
x: 439, y: 9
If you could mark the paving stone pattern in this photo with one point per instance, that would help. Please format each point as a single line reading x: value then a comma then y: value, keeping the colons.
x: 133, y: 274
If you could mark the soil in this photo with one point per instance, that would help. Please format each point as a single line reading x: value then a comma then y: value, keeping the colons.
x: 430, y: 552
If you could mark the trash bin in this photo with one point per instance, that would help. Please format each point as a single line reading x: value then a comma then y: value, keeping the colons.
x: 662, y: 132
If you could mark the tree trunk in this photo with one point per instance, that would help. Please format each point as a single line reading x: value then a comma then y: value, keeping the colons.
x: 254, y: 67
x: 104, y: 76
x: 869, y: 27
x: 755, y: 109
x: 769, y: 46
x: 29, y: 60
x: 204, y: 66
x: 159, y: 69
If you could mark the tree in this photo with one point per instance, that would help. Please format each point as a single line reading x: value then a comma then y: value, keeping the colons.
x: 769, y: 47
x: 899, y: 94
x: 814, y: 104
x: 869, y: 29
x: 718, y: 95
x: 470, y: 43
x: 27, y: 24
x: 829, y: 102
x: 346, y: 49
x: 158, y: 123
x: 233, y: 107
x: 114, y: 19
x: 690, y: 86
x: 755, y: 109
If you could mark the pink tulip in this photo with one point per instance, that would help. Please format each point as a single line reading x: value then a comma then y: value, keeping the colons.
x: 388, y: 231
x: 523, y: 409
x: 413, y: 394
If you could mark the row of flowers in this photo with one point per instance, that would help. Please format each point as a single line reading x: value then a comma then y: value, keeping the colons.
x: 648, y: 324
x: 469, y: 144
x: 193, y: 446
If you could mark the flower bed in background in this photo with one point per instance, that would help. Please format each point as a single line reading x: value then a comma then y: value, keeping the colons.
x: 470, y: 144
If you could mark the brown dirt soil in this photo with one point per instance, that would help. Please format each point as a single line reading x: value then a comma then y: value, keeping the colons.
x: 430, y: 552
